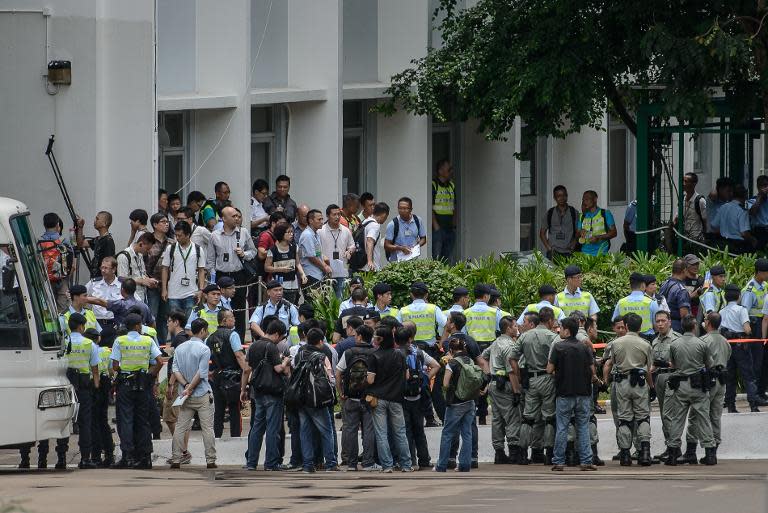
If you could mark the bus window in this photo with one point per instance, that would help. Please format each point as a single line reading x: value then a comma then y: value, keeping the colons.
x: 40, y: 295
x: 14, y: 331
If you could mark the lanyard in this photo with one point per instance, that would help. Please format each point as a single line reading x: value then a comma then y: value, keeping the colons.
x: 336, y: 238
x: 185, y: 257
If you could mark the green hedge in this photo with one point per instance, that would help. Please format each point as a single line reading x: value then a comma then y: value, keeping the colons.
x: 606, y: 277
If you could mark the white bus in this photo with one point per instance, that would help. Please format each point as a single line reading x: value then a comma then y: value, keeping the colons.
x: 36, y: 398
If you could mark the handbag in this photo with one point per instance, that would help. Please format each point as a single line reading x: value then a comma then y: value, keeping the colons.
x: 265, y: 380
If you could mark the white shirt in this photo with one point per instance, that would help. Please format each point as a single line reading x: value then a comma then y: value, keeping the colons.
x: 185, y: 267
x: 257, y: 211
x: 373, y: 231
x: 201, y: 237
x: 106, y: 291
x: 733, y: 316
x: 336, y: 240
x: 136, y: 269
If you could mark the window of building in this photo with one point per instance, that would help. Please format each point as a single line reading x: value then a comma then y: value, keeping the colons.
x: 353, y: 178
x: 173, y: 144
x: 269, y: 128
x: 527, y: 228
x: 619, y: 154
x: 527, y: 162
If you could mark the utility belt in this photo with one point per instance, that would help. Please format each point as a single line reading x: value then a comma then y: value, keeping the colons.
x: 699, y: 381
x: 636, y: 377
x: 136, y: 381
x: 484, y: 345
x: 718, y: 374
x: 78, y: 379
x: 730, y: 335
x: 663, y: 371
x: 501, y: 381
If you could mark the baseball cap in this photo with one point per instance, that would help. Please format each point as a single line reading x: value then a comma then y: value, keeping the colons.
x: 691, y: 259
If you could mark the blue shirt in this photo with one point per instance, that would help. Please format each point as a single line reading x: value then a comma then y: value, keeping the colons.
x: 82, y: 312
x: 677, y: 297
x: 733, y: 316
x: 408, y: 233
x: 593, y: 308
x: 638, y: 295
x: 712, y: 208
x: 194, y: 315
x: 154, y: 352
x: 225, y: 303
x: 76, y: 337
x: 748, y: 297
x: 630, y: 216
x: 732, y: 220
x: 309, y: 246
x: 539, y: 306
x: 287, y: 313
x: 709, y: 299
x: 192, y: 358
x: 761, y: 217
x: 345, y: 344
x: 456, y: 308
x: 120, y: 309
x: 601, y: 247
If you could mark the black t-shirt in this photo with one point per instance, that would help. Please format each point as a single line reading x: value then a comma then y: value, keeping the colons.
x: 103, y: 246
x: 355, y: 311
x: 389, y: 367
x: 257, y: 351
x: 573, y: 374
x: 279, y: 256
x: 176, y: 341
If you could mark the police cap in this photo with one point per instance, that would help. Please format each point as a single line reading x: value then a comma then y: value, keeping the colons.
x: 546, y: 290
x: 419, y: 286
x: 372, y: 315
x: 77, y: 290
x: 211, y: 288
x: 761, y: 265
x: 460, y: 291
x: 572, y: 270
x: 495, y: 293
x: 637, y: 277
x: 717, y: 270
x: 732, y: 287
x: 225, y: 282
x: 356, y: 280
x: 273, y: 284
x: 482, y: 289
x: 91, y: 333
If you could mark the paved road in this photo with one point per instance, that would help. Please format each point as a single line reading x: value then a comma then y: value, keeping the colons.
x: 734, y: 486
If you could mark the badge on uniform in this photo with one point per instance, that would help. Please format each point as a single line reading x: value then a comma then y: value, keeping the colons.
x: 226, y: 257
x: 185, y: 282
x: 336, y: 255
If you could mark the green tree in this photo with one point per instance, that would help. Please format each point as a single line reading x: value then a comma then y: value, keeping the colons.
x: 558, y: 64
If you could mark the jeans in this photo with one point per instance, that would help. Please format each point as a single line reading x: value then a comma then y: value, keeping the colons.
x: 357, y: 415
x: 579, y: 407
x: 159, y: 309
x: 338, y: 287
x: 443, y: 241
x: 458, y: 420
x: 294, y: 426
x: 388, y: 415
x: 185, y: 305
x: 322, y: 420
x: 267, y: 414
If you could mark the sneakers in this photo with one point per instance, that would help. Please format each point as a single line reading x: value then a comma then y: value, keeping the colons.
x: 186, y: 458
x: 407, y: 469
x: 433, y: 423
x: 309, y: 470
x: 558, y: 468
x: 333, y: 469
x: 387, y: 470
x: 290, y: 468
x: 588, y: 467
x: 372, y: 468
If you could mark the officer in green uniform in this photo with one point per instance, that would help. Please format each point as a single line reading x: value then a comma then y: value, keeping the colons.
x: 630, y: 370
x: 661, y: 369
x: 687, y: 391
x: 638, y: 303
x: 534, y: 346
x: 721, y: 352
x: 505, y: 396
x: 134, y: 359
x: 83, y: 373
x: 546, y: 296
x: 573, y: 299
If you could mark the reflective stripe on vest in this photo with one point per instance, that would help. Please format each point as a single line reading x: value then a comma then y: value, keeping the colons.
x: 445, y: 198
x: 574, y: 304
x: 79, y: 358
x: 212, y: 318
x: 293, y: 336
x: 90, y: 319
x: 104, y: 360
x: 425, y: 321
x: 640, y: 307
x: 481, y: 325
x: 757, y: 308
x: 534, y: 307
x: 593, y: 226
x: 392, y: 312
x: 134, y: 353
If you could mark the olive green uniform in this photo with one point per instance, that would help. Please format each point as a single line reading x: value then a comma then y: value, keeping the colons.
x: 631, y: 354
x: 720, y: 350
x: 689, y: 355
x: 507, y: 413
x: 662, y: 371
x: 539, y: 407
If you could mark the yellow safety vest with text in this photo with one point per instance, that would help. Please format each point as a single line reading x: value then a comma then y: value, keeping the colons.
x: 104, y: 360
x: 90, y: 319
x: 425, y: 321
x: 534, y: 307
x: 481, y: 325
x: 134, y: 353
x: 574, y: 304
x: 79, y: 357
x: 641, y: 307
x: 212, y: 318
x: 293, y: 336
x: 757, y: 308
x: 445, y: 198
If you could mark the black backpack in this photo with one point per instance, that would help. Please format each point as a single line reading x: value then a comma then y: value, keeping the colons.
x: 574, y: 217
x: 355, y: 379
x: 309, y: 385
x: 415, y: 379
x: 396, y: 229
x: 359, y: 258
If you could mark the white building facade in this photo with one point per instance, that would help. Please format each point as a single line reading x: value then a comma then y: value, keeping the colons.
x: 180, y: 94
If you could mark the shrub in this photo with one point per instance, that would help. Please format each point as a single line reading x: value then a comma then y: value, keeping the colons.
x: 440, y: 279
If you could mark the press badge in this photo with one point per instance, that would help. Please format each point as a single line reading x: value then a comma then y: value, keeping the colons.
x: 226, y: 257
x: 185, y: 282
x: 408, y: 232
x: 336, y: 255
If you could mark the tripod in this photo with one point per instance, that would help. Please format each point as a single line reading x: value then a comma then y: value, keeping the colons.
x: 78, y: 252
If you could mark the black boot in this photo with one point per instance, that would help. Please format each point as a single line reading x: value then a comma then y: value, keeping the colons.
x: 672, y: 454
x: 42, y: 462
x: 731, y: 408
x: 753, y: 408
x: 109, y: 460
x: 123, y: 463
x: 86, y: 464
x: 24, y: 460
x: 645, y: 454
x: 522, y: 458
x: 571, y: 459
x: 514, y: 454
x: 537, y: 455
x: 689, y: 456
x: 710, y: 457
x: 61, y: 464
x: 661, y: 457
x: 625, y: 458
x: 595, y: 458
x: 616, y: 457
x: 500, y: 458
x: 549, y: 453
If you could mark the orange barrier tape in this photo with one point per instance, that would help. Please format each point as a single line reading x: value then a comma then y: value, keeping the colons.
x: 732, y: 341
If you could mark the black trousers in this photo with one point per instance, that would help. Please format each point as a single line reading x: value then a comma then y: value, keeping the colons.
x: 238, y: 302
x: 414, y: 431
x: 433, y: 398
x: 43, y: 446
x: 133, y: 422
x: 85, y: 395
x: 221, y: 403
x: 100, y: 429
x: 153, y: 414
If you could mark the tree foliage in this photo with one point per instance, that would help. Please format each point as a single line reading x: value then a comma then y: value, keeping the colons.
x: 558, y: 64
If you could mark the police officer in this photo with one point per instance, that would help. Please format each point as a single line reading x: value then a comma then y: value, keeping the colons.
x: 534, y: 345
x: 100, y: 428
x: 460, y: 300
x: 482, y: 325
x: 630, y: 370
x: 79, y: 296
x: 546, y: 296
x: 505, y: 394
x: 134, y: 360
x: 573, y: 299
x: 355, y: 283
x: 83, y: 373
x: 753, y: 299
x: 495, y: 302
x: 429, y: 321
x: 720, y: 350
x: 443, y: 211
x: 687, y: 391
x: 274, y: 305
x: 382, y: 296
x: 209, y: 310
x: 652, y: 291
x: 713, y: 298
x: 638, y: 303
x: 228, y: 363
x: 661, y: 368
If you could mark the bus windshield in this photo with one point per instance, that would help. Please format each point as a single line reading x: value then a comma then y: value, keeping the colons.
x: 40, y: 295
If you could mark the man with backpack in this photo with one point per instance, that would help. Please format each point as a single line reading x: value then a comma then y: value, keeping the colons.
x: 58, y: 259
x: 359, y: 309
x: 266, y: 374
x: 596, y: 226
x: 275, y: 305
x: 463, y: 383
x: 695, y: 212
x: 311, y: 390
x: 405, y: 232
x: 183, y: 271
x: 352, y: 380
x: 228, y: 364
x: 366, y: 235
x: 558, y: 231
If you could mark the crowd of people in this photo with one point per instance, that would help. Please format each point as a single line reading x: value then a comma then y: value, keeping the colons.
x: 185, y: 280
